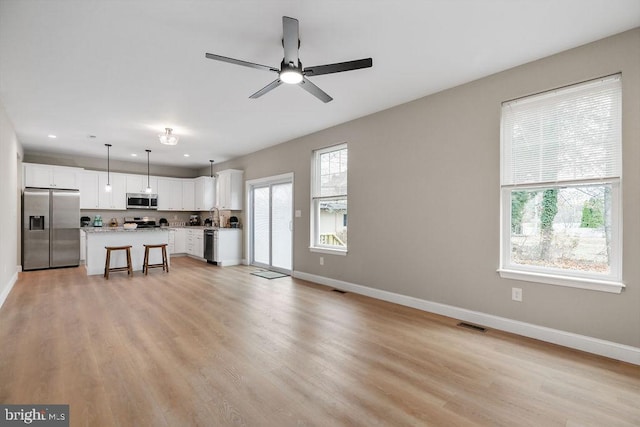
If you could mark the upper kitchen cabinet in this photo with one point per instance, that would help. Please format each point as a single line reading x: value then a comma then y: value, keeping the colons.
x: 117, y: 197
x: 175, y: 194
x: 139, y: 184
x: 169, y: 194
x: 188, y: 195
x: 93, y: 194
x: 49, y: 176
x: 229, y: 189
x: 89, y: 184
x: 205, y: 193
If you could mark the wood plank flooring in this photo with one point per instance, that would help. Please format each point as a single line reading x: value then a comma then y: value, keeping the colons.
x: 212, y: 346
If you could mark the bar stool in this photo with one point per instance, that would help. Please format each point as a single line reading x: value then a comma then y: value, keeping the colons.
x: 107, y: 264
x: 146, y: 266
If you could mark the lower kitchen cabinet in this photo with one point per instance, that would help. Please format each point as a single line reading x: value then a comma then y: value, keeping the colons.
x: 227, y: 244
x: 83, y: 246
x: 228, y: 247
x: 195, y: 243
x: 186, y: 241
x: 179, y: 241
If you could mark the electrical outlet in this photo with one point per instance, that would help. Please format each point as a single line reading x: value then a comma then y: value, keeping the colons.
x: 298, y: 213
x: 321, y: 260
x: 516, y: 294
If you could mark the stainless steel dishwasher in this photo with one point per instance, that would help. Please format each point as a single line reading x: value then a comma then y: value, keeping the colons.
x: 210, y: 238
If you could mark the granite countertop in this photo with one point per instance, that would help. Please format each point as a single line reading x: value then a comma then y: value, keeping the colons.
x: 120, y: 229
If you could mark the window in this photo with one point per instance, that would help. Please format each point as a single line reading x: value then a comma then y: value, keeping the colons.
x: 560, y: 186
x: 329, y: 199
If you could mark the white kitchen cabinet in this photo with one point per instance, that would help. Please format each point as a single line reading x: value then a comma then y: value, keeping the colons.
x: 195, y: 242
x: 229, y: 189
x: 198, y: 250
x: 139, y: 183
x: 49, y: 176
x: 189, y: 244
x: 175, y: 194
x: 188, y: 195
x: 172, y: 241
x: 205, y: 193
x: 83, y: 245
x: 169, y: 194
x: 117, y: 197
x: 89, y: 190
x: 228, y: 246
x: 180, y: 240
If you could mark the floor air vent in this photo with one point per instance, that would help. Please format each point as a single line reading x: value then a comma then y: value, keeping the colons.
x: 339, y: 291
x: 472, y: 327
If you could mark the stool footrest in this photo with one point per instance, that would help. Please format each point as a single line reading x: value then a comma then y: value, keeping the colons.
x: 107, y: 265
x: 146, y: 266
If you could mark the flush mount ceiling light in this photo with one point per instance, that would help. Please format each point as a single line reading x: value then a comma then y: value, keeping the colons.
x: 168, y: 138
x: 107, y: 187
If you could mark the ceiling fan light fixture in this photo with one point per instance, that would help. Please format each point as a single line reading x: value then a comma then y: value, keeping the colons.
x: 291, y: 76
x: 168, y: 138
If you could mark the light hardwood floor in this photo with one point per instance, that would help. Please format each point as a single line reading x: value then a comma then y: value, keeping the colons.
x: 213, y: 346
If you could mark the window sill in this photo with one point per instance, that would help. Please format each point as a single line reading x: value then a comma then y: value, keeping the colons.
x: 328, y: 251
x: 572, y: 282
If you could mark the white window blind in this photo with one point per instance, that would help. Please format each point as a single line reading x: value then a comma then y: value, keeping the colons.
x: 568, y: 134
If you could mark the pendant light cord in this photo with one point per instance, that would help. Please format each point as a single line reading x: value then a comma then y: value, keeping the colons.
x: 148, y: 180
x: 108, y: 163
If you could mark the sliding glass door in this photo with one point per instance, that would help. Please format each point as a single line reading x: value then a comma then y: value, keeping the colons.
x: 272, y: 224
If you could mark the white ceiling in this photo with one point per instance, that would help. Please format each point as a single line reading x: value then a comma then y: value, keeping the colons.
x: 123, y: 70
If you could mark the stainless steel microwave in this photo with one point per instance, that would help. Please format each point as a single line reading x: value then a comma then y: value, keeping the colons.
x: 142, y: 201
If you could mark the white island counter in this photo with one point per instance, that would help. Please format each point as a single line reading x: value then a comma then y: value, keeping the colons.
x: 98, y: 238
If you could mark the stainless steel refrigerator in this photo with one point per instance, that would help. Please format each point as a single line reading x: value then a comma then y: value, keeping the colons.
x: 50, y: 228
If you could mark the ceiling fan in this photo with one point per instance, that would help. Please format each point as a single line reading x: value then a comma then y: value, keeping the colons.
x: 291, y: 70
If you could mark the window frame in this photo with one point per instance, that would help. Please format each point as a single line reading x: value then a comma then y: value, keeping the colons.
x: 611, y: 282
x: 315, y: 245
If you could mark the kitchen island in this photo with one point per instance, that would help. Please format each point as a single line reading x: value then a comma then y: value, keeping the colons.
x: 98, y: 238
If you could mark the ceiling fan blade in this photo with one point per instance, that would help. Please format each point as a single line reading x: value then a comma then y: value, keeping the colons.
x: 290, y: 40
x: 315, y: 90
x: 338, y: 67
x: 274, y: 84
x: 240, y: 62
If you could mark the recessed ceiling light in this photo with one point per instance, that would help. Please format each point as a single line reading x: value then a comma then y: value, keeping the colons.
x: 52, y: 136
x: 92, y: 136
x: 134, y: 155
x: 186, y: 155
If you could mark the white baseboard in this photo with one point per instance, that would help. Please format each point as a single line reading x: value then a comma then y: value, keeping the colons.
x: 9, y: 286
x: 597, y: 346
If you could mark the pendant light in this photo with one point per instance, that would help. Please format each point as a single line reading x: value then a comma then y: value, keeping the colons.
x: 107, y: 187
x: 168, y: 138
x: 211, y: 166
x: 148, y: 190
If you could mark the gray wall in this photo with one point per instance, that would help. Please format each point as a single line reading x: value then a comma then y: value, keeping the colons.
x: 424, y: 197
x: 10, y: 196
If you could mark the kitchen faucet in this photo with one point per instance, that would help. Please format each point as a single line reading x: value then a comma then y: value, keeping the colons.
x: 211, y: 216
